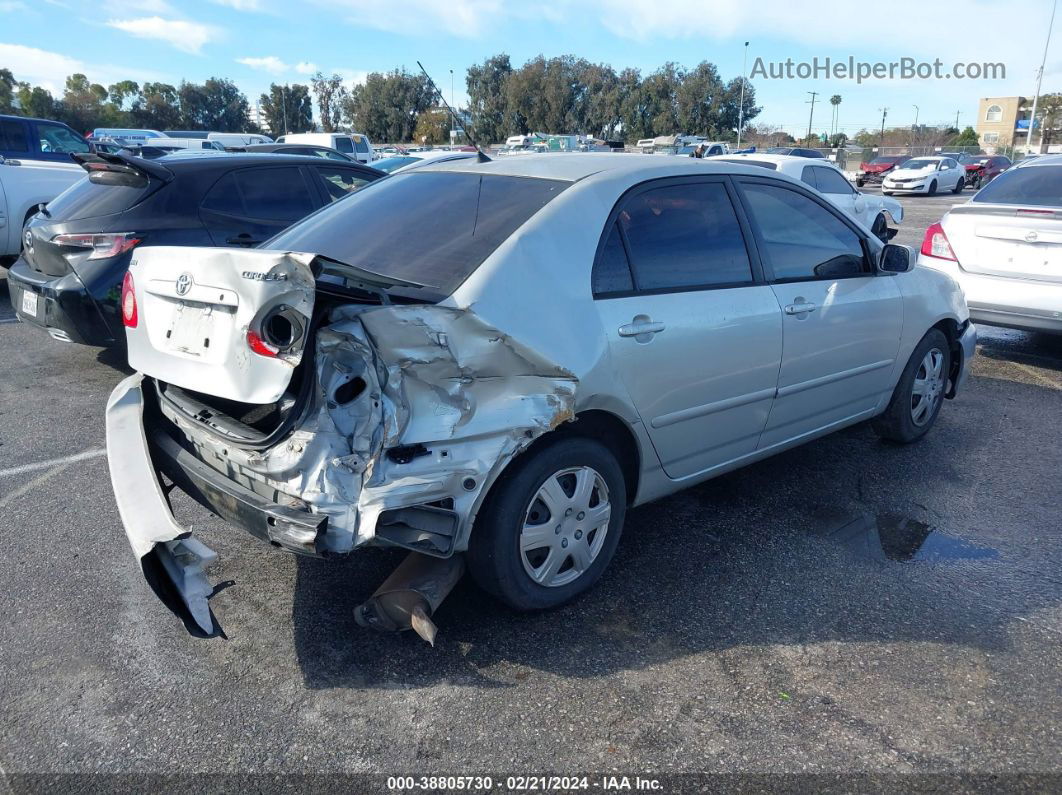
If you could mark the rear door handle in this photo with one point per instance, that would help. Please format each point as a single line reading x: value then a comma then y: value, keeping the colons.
x: 641, y: 326
x: 800, y: 309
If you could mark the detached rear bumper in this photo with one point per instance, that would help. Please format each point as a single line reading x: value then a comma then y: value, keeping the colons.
x: 173, y: 562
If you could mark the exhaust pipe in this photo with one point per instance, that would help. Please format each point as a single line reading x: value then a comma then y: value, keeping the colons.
x: 408, y: 598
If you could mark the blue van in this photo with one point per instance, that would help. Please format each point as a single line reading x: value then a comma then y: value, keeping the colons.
x: 38, y: 139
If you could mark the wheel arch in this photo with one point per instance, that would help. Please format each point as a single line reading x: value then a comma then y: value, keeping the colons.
x: 952, y: 330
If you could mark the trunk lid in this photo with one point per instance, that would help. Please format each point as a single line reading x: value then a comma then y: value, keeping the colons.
x: 232, y: 323
x: 1007, y: 241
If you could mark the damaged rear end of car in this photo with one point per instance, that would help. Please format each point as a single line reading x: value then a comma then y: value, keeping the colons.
x: 321, y: 405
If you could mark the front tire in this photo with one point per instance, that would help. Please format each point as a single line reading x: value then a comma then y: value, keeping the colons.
x: 960, y: 183
x: 932, y: 188
x: 918, y: 396
x: 550, y: 525
x: 880, y: 228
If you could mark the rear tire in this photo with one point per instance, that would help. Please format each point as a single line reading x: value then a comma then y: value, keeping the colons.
x: 549, y: 497
x: 932, y: 188
x: 918, y: 396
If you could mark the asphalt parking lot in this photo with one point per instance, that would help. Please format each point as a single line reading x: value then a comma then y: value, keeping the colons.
x: 849, y: 606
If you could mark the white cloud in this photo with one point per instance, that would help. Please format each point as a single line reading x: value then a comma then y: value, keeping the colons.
x: 306, y: 68
x: 240, y: 5
x: 7, y: 6
x: 50, y: 69
x: 267, y: 63
x: 185, y: 36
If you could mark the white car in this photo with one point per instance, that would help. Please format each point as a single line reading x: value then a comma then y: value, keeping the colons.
x: 1004, y: 247
x: 24, y: 185
x: 871, y: 210
x: 410, y: 160
x: 925, y: 175
x: 356, y: 145
x: 488, y: 363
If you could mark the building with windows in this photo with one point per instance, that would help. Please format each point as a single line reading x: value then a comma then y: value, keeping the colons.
x: 1003, y: 122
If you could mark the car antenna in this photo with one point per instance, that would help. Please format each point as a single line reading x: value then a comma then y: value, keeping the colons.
x: 482, y: 155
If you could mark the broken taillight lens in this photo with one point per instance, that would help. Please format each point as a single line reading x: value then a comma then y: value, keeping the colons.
x: 103, y: 246
x: 260, y: 346
x: 129, y: 313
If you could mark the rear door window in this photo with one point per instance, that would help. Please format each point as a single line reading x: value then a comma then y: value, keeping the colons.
x: 13, y: 136
x: 807, y: 176
x: 339, y: 182
x: 683, y: 236
x: 801, y: 238
x: 344, y: 145
x: 831, y: 181
x: 361, y: 144
x: 272, y: 194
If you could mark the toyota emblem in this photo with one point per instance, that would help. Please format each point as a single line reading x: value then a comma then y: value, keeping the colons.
x: 184, y: 283
x: 1031, y: 237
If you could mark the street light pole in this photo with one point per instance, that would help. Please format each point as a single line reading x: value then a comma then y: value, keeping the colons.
x: 1039, y: 78
x: 812, y: 116
x: 741, y: 102
x: 284, y: 106
x: 452, y: 137
x: 881, y: 137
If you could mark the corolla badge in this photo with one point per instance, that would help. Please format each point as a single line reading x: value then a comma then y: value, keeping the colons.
x: 184, y: 283
x: 1031, y: 237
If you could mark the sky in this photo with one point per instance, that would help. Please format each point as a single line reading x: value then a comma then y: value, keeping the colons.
x: 255, y: 42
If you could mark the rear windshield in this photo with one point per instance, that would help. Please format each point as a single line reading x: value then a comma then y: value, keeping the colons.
x: 390, y: 164
x: 1040, y: 186
x: 87, y: 199
x: 429, y: 227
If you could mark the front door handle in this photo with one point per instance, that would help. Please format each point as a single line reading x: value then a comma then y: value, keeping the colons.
x: 642, y: 328
x: 801, y: 308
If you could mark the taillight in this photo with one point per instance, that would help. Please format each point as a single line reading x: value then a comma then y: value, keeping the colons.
x: 103, y: 246
x: 935, y: 244
x: 129, y: 314
x: 260, y: 346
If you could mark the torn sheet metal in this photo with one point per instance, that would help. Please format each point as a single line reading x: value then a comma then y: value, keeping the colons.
x: 195, y: 318
x: 411, y: 594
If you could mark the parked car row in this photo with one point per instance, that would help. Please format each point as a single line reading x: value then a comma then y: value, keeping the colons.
x: 976, y: 170
x: 76, y: 251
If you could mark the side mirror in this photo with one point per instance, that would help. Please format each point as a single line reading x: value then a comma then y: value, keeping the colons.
x: 895, y: 259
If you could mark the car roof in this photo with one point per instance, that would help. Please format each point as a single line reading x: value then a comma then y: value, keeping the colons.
x: 206, y: 158
x: 575, y: 166
x: 780, y: 160
x: 1042, y: 160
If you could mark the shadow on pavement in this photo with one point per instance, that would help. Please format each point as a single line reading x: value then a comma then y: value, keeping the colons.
x: 776, y: 553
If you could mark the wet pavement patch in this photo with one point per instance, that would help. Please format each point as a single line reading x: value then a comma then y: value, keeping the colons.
x: 898, y: 539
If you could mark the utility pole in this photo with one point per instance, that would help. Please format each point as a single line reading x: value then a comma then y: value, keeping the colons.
x: 1040, y: 77
x: 957, y: 120
x: 452, y: 122
x: 812, y: 116
x: 914, y: 129
x: 881, y: 137
x: 284, y: 106
x: 741, y: 102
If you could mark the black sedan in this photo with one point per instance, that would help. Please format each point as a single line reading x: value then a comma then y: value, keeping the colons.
x: 77, y: 249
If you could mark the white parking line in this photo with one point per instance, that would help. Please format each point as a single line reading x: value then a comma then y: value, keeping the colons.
x: 31, y: 485
x: 9, y: 320
x: 1043, y: 379
x: 70, y: 459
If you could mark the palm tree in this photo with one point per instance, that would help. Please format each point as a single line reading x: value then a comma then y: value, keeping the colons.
x: 835, y: 100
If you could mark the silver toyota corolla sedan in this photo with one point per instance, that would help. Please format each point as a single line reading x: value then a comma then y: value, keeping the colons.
x: 488, y: 363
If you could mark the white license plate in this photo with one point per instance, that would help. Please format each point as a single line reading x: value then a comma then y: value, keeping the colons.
x: 29, y: 303
x: 191, y: 329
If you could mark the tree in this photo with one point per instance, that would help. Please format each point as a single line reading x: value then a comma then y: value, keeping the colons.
x: 82, y: 104
x: 156, y: 107
x: 968, y: 137
x: 730, y: 116
x: 215, y: 105
x: 36, y: 101
x: 487, y: 99
x: 1049, y: 109
x: 433, y: 127
x: 700, y: 99
x: 835, y: 100
x: 330, y: 99
x: 287, y: 109
x: 7, y: 91
x: 386, y: 106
